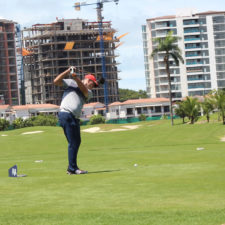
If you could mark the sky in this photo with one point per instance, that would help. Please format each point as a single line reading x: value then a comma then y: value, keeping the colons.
x: 126, y: 16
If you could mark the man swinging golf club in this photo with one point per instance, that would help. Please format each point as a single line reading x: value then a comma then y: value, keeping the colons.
x: 76, y: 93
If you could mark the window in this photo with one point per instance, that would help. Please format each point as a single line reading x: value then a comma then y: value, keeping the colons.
x: 138, y: 110
x: 143, y: 28
x: 166, y: 108
x: 218, y: 19
x: 158, y: 109
x: 145, y: 110
x: 129, y: 111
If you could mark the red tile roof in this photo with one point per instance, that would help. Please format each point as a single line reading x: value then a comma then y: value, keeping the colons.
x: 197, y: 14
x: 33, y: 106
x: 162, y: 18
x: 210, y: 12
x: 145, y: 100
x: 115, y: 103
x: 100, y: 109
x: 4, y: 106
x: 138, y: 101
x: 92, y: 104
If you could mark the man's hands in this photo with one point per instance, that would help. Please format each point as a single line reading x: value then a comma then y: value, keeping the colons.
x: 72, y: 71
x: 61, y: 76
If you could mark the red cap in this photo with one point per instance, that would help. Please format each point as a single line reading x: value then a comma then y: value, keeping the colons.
x: 91, y: 77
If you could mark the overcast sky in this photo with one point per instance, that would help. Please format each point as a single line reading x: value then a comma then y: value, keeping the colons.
x: 127, y: 16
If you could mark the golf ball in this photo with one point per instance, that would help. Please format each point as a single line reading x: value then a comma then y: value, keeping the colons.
x: 135, y: 164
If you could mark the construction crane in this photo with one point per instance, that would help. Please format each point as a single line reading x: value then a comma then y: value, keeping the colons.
x: 99, y: 8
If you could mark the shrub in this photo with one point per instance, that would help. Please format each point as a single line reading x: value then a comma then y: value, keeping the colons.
x: 29, y: 122
x: 142, y: 117
x: 163, y: 117
x: 4, y: 124
x: 40, y: 120
x: 97, y: 119
x: 18, y: 123
x: 44, y: 120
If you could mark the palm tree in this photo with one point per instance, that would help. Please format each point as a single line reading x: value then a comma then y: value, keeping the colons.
x: 192, y: 108
x: 168, y: 46
x: 219, y: 101
x: 207, y: 107
x: 180, y: 110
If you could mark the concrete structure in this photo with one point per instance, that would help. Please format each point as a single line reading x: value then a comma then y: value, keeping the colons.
x: 117, y: 110
x: 151, y: 107
x: 94, y: 108
x: 5, y: 112
x: 8, y: 67
x: 52, y: 48
x: 129, y: 109
x: 203, y: 48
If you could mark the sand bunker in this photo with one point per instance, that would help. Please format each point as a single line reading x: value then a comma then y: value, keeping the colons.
x: 92, y: 130
x: 114, y: 130
x: 98, y: 130
x: 132, y: 127
x: 222, y: 139
x: 4, y: 135
x: 34, y: 132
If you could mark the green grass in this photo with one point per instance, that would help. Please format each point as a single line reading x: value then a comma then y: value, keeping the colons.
x: 173, y: 184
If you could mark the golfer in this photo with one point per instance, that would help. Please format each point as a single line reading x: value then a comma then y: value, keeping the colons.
x: 76, y: 93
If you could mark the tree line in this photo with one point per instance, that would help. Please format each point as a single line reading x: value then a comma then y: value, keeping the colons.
x: 126, y: 94
x: 191, y: 107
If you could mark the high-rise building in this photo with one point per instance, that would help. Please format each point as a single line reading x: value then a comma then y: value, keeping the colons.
x: 50, y: 49
x: 203, y: 49
x: 9, y: 90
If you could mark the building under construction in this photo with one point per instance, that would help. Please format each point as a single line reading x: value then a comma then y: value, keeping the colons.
x: 8, y: 65
x: 49, y: 49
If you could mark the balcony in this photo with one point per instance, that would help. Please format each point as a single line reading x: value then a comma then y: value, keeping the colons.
x: 194, y: 63
x: 202, y: 85
x: 191, y: 22
x: 195, y: 71
x: 191, y: 30
x: 193, y: 47
x: 193, y: 55
x: 192, y: 39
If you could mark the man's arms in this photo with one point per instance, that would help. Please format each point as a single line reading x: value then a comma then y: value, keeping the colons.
x: 80, y: 84
x: 59, y: 81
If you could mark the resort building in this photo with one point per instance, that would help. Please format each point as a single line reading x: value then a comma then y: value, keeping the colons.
x: 203, y: 49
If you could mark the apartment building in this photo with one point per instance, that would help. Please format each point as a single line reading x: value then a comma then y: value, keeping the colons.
x: 50, y: 49
x: 203, y: 49
x: 9, y: 90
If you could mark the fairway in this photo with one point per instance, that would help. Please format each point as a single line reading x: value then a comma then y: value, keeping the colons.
x: 173, y: 183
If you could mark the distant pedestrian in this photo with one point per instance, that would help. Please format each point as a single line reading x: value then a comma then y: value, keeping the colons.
x: 76, y: 93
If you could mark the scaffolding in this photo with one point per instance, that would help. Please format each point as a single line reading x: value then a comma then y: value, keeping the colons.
x: 19, y: 61
x: 8, y: 67
x: 52, y: 48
